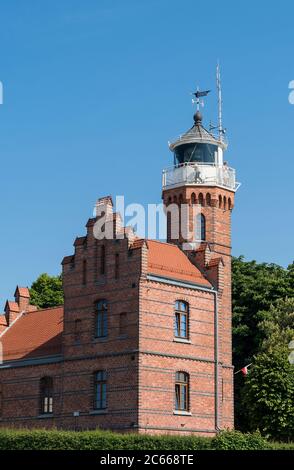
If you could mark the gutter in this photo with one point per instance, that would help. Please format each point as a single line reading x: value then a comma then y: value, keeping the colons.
x: 212, y: 290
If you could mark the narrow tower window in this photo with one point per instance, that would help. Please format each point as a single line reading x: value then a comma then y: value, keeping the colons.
x: 101, y: 319
x: 225, y: 203
x: 200, y: 227
x: 201, y: 199
x: 182, y: 391
x: 220, y: 201
x: 181, y: 319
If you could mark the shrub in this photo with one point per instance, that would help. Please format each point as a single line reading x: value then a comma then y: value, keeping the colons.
x: 104, y: 440
x: 235, y: 440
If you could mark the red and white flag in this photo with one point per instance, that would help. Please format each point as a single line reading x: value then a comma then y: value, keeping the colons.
x: 244, y: 370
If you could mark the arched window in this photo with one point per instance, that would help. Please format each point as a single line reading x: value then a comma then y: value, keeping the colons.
x: 101, y: 319
x: 182, y: 391
x: 193, y: 198
x: 225, y: 203
x: 175, y: 200
x: 46, y: 395
x: 208, y: 199
x: 201, y: 199
x: 200, y: 227
x: 181, y: 319
x: 229, y: 203
x: 100, y: 390
x: 220, y: 201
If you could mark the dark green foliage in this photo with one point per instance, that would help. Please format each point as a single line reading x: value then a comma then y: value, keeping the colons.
x: 262, y: 317
x: 47, y: 291
x: 235, y: 440
x: 255, y: 288
x: 103, y: 440
x: 268, y: 394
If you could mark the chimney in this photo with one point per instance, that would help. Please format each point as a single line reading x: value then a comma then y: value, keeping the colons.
x: 11, y: 312
x: 22, y: 298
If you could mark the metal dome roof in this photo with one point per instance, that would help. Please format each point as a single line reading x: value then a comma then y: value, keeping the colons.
x: 197, y: 134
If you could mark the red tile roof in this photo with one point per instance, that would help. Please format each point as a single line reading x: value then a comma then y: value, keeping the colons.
x: 167, y: 260
x: 215, y: 262
x: 34, y: 334
x: 137, y: 243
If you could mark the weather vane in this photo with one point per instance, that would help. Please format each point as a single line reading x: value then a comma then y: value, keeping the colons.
x: 199, y: 94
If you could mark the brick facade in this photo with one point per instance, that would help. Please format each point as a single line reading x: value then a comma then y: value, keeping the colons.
x: 114, y: 356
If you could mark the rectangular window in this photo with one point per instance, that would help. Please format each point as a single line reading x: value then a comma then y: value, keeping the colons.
x: 100, y: 390
x: 101, y: 319
x: 181, y: 320
x: 122, y: 324
x: 46, y: 395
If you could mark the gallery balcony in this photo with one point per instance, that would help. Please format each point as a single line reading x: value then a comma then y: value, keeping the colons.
x: 200, y: 174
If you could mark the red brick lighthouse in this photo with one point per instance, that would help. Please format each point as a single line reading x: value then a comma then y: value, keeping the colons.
x: 143, y: 340
x: 202, y: 186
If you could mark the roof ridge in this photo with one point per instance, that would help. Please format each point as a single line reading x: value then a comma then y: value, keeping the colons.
x: 162, y: 243
x: 45, y: 309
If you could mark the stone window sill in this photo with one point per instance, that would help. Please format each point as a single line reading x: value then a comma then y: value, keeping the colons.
x: 98, y: 412
x: 101, y: 339
x: 182, y: 340
x: 182, y: 413
x: 46, y: 416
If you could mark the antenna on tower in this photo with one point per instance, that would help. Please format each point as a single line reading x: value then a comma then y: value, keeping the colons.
x: 220, y: 103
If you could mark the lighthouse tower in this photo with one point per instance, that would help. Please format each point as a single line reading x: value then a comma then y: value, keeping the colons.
x: 203, y: 185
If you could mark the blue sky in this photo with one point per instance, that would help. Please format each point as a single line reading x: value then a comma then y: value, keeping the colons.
x: 93, y: 91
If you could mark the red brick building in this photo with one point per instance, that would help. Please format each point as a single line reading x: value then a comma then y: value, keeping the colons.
x: 143, y: 341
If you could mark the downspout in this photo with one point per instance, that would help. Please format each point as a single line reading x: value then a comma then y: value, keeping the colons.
x: 216, y: 361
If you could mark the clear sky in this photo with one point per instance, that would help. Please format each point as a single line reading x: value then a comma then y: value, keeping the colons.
x: 94, y: 89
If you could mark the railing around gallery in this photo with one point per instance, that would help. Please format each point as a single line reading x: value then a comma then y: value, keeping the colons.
x: 200, y: 174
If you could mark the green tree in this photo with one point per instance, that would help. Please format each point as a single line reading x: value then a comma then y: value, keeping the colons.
x: 277, y: 324
x: 268, y: 394
x: 256, y: 290
x: 47, y: 291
